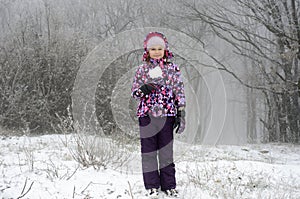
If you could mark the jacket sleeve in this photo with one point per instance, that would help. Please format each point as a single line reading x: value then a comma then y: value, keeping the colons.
x: 138, y: 81
x: 179, y: 88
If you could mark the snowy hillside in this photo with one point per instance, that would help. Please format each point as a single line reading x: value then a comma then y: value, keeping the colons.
x: 44, y: 167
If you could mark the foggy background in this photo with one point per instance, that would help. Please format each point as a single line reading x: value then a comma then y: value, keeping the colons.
x: 241, y: 76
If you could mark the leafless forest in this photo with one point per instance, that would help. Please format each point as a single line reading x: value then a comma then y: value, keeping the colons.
x: 253, y: 43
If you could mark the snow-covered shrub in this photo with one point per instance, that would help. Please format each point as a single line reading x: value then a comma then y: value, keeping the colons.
x: 91, y: 148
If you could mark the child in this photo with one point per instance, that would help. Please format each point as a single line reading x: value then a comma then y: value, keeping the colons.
x: 159, y: 87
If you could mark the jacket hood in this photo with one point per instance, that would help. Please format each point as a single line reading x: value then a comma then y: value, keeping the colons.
x: 168, y: 53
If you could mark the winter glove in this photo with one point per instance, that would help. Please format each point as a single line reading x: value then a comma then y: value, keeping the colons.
x: 179, y: 124
x: 147, y: 88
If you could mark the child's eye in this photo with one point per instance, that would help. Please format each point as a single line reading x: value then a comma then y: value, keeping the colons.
x: 154, y: 49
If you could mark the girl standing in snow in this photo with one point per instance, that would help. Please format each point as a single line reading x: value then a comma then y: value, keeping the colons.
x: 159, y: 88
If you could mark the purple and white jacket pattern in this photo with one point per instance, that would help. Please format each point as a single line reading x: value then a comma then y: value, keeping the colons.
x: 169, y: 93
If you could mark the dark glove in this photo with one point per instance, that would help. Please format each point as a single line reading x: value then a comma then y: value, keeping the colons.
x: 147, y: 88
x: 179, y: 124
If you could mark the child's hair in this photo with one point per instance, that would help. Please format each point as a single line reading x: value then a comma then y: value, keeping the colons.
x: 164, y: 57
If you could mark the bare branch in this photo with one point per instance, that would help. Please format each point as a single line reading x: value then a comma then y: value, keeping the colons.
x: 23, y: 193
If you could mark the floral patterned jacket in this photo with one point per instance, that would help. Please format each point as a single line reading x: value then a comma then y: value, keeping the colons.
x: 169, y: 93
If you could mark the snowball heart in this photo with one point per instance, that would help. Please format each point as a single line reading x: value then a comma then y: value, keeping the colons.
x: 155, y: 72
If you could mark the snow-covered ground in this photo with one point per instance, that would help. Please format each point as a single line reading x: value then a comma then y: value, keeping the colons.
x: 44, y: 167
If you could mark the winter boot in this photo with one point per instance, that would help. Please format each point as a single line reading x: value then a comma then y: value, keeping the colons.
x: 172, y: 193
x: 153, y: 193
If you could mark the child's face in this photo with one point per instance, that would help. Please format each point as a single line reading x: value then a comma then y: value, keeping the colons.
x: 156, y: 52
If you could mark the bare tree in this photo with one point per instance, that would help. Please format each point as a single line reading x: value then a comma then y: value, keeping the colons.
x: 42, y: 45
x: 267, y: 35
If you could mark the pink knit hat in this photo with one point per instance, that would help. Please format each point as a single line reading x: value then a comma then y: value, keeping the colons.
x: 156, y: 38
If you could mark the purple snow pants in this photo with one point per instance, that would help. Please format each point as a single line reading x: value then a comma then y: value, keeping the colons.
x: 156, y: 135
